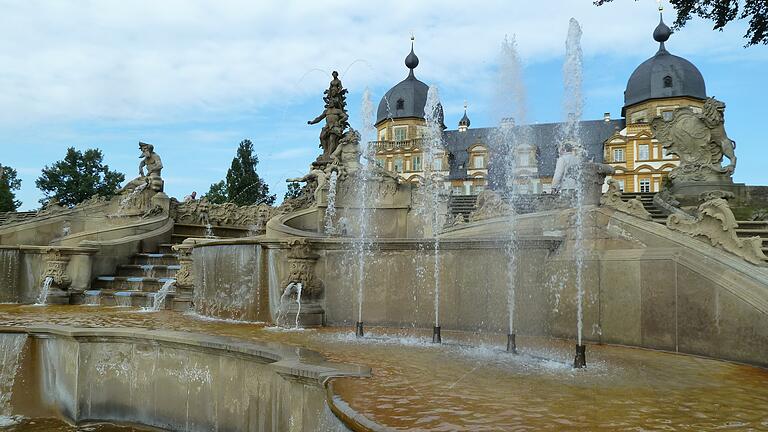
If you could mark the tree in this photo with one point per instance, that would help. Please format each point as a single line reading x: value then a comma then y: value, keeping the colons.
x: 217, y: 194
x: 294, y: 191
x: 242, y: 186
x: 721, y: 12
x: 78, y: 177
x: 8, y: 184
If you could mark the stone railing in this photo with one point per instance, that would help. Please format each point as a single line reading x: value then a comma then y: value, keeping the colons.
x: 383, y: 146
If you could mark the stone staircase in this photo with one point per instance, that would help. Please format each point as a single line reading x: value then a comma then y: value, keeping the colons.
x: 462, y: 204
x: 135, y: 284
x: 746, y: 229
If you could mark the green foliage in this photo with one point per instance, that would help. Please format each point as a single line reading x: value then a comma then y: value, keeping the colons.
x: 243, y: 186
x: 77, y: 177
x: 294, y: 191
x: 8, y: 184
x: 721, y: 12
x: 217, y: 194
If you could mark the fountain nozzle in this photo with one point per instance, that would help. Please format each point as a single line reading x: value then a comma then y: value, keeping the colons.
x: 581, y: 357
x: 436, y: 335
x: 359, y: 329
x: 511, y: 345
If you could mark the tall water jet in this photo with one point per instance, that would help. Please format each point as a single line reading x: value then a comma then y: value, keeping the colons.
x: 574, y: 158
x: 510, y: 140
x: 431, y: 189
x: 11, y: 346
x: 362, y: 240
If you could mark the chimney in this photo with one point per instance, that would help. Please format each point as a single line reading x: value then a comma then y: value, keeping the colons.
x: 607, y: 117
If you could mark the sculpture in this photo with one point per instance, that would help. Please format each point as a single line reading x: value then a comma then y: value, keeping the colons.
x: 346, y: 157
x: 699, y: 140
x: 715, y: 221
x: 152, y: 179
x: 335, y: 115
x: 490, y: 205
x: 316, y: 175
x: 56, y: 268
x: 612, y: 198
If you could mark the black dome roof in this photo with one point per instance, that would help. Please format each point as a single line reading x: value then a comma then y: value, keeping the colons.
x: 664, y: 75
x: 407, y: 98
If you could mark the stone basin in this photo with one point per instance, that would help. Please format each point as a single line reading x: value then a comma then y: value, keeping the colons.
x: 468, y: 382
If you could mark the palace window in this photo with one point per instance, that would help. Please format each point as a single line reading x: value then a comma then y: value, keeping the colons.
x: 667, y: 115
x: 398, y: 164
x: 618, y: 155
x: 380, y: 162
x: 401, y: 133
x: 400, y: 104
x: 437, y: 164
x: 645, y: 185
x: 382, y: 135
x: 621, y: 185
x: 417, y: 163
x: 667, y: 81
x: 478, y: 161
x: 642, y: 152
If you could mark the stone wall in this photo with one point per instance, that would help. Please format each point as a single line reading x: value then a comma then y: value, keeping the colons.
x: 174, y: 381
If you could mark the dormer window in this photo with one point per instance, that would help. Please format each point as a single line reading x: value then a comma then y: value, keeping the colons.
x: 667, y: 81
x: 400, y: 104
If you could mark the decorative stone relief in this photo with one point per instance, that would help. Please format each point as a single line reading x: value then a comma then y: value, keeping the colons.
x: 715, y: 221
x: 612, y: 198
x: 228, y: 214
x: 56, y: 269
x: 490, y: 205
x: 184, y: 279
x: 301, y: 265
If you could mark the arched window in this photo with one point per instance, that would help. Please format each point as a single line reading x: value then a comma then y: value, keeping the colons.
x: 667, y: 81
x: 401, y: 104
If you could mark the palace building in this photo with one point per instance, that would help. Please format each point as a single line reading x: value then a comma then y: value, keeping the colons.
x: 656, y: 87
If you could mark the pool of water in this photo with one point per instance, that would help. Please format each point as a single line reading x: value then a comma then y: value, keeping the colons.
x: 470, y: 383
x: 54, y: 425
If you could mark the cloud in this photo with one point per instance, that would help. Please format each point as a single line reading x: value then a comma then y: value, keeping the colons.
x: 161, y: 61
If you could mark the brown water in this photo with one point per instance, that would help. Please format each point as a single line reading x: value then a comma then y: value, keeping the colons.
x: 420, y: 386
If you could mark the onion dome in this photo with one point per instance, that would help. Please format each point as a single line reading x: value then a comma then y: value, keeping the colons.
x: 664, y: 75
x: 407, y: 98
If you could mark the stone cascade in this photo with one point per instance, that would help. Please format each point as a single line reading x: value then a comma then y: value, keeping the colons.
x: 148, y: 271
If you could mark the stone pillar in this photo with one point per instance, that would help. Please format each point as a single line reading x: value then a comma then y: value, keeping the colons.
x: 185, y: 282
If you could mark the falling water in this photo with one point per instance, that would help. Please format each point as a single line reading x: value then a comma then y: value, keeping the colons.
x: 362, y: 241
x: 208, y: 227
x: 433, y: 148
x: 44, y: 290
x: 125, y: 202
x: 285, y: 303
x: 330, y: 210
x: 92, y: 297
x: 158, y: 301
x: 9, y: 274
x: 122, y: 299
x: 573, y: 105
x: 11, y: 346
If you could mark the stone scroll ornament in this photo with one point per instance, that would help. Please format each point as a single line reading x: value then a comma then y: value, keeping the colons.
x: 699, y: 140
x: 612, y: 198
x: 715, y: 221
x: 254, y: 216
x: 56, y: 269
x: 301, y: 269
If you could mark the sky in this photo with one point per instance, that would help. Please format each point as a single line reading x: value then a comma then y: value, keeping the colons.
x: 195, y: 77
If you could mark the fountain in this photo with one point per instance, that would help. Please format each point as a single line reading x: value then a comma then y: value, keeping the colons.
x: 92, y: 297
x: 574, y: 164
x: 362, y: 242
x: 42, y: 299
x: 431, y: 191
x: 123, y: 299
x: 158, y: 300
x: 292, y: 290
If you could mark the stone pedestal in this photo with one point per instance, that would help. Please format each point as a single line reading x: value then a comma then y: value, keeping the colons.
x: 690, y: 193
x: 310, y: 315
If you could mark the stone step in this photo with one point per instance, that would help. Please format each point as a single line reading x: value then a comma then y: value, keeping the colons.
x: 166, y: 248
x: 741, y: 232
x: 148, y: 270
x: 198, y: 230
x: 131, y: 299
x: 155, y: 259
x: 128, y: 283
